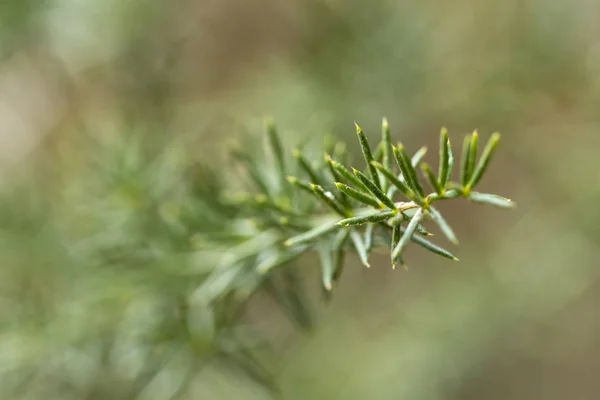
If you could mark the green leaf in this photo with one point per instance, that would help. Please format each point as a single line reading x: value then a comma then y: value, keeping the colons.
x: 327, y: 264
x: 484, y: 161
x: 331, y: 254
x: 396, y: 234
x: 341, y: 196
x: 444, y: 226
x: 379, y: 158
x: 387, y: 144
x: 263, y: 201
x: 298, y: 223
x: 254, y: 245
x: 418, y: 157
x: 329, y: 199
x: 407, y: 234
x: 276, y: 259
x: 349, y: 176
x: 465, y: 161
x: 334, y: 173
x: 374, y: 189
x: 372, y: 217
x: 301, y: 184
x: 361, y: 248
x: 339, y: 242
x: 250, y: 166
x: 305, y: 165
x: 378, y: 155
x: 451, y: 161
x: 219, y: 281
x: 452, y: 194
x: 491, y: 199
x: 312, y: 234
x: 404, y: 189
x: 473, y: 154
x: 444, y: 158
x: 366, y: 149
x: 426, y: 244
x: 431, y: 178
x: 416, y: 160
x: 422, y: 231
x: 275, y: 145
x: 408, y: 171
x: 356, y: 195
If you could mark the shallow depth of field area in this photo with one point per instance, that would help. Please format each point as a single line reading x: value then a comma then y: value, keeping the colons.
x: 117, y: 123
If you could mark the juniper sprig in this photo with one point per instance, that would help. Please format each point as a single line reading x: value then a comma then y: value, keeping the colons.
x: 374, y: 204
x: 142, y: 230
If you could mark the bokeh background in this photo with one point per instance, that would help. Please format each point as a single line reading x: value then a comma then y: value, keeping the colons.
x: 517, y: 318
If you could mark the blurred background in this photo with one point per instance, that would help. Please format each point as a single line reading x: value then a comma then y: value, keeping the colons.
x: 517, y: 318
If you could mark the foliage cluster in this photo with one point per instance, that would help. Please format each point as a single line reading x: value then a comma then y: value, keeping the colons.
x: 141, y: 261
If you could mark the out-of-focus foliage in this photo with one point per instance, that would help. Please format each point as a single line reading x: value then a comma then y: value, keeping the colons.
x: 515, y: 319
x: 99, y: 268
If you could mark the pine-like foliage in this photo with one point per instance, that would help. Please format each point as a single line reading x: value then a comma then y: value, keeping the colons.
x: 140, y: 262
